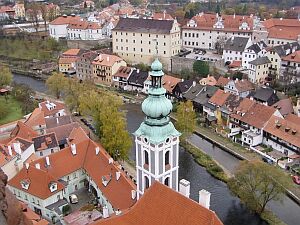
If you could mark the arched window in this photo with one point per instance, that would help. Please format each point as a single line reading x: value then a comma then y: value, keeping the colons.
x: 167, y: 158
x: 146, y: 158
x: 146, y: 179
x: 167, y: 181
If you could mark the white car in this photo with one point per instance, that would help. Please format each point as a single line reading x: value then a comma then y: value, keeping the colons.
x: 73, y: 199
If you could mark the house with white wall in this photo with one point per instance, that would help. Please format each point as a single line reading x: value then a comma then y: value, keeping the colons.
x: 58, y: 27
x: 234, y: 48
x: 290, y: 67
x: 241, y: 88
x: 51, y: 180
x: 84, y: 30
x: 259, y: 70
x: 253, y: 52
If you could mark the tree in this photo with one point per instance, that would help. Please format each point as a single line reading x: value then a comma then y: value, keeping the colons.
x: 24, y: 94
x: 44, y: 14
x: 201, y: 68
x: 56, y: 84
x: 186, y: 118
x: 219, y: 45
x: 110, y: 121
x: 34, y: 14
x: 5, y: 76
x: 257, y: 183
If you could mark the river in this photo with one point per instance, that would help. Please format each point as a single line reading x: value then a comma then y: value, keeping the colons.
x: 228, y: 207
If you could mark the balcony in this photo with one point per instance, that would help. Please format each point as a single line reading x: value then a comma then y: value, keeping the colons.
x: 251, y: 138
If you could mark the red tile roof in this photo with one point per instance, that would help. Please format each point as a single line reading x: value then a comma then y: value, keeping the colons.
x: 162, y: 16
x: 64, y: 20
x: 285, y: 106
x: 170, y: 82
x: 72, y: 52
x: 231, y: 22
x: 243, y: 107
x: 39, y: 182
x: 49, y: 112
x: 283, y: 28
x: 258, y: 115
x: 243, y: 85
x: 222, y: 81
x: 84, y: 25
x: 106, y: 60
x: 117, y: 192
x: 219, y: 98
x: 23, y: 131
x: 36, y: 118
x: 162, y: 205
x: 284, y: 129
x: 67, y: 60
x: 293, y: 118
x: 294, y: 57
x: 209, y: 80
x: 123, y: 72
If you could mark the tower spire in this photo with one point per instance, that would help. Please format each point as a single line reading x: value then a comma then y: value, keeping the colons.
x: 156, y: 139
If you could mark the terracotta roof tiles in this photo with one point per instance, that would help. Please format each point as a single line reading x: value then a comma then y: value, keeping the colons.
x: 219, y: 98
x: 106, y: 60
x: 162, y: 205
x: 36, y: 118
x: 169, y: 82
x: 64, y: 20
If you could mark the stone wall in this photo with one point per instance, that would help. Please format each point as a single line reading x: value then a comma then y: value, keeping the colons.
x: 88, y: 44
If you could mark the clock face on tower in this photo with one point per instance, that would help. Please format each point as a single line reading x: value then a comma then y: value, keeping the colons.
x: 157, y: 140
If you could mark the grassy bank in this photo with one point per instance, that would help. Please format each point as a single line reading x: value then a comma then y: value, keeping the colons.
x: 206, y: 161
x: 26, y: 49
x: 14, y: 110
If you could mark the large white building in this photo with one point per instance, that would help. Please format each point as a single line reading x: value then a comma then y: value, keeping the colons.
x: 157, y: 140
x: 205, y: 30
x: 74, y: 28
x: 135, y: 40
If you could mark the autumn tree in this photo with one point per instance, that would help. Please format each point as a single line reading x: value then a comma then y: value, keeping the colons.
x: 258, y: 183
x: 5, y: 75
x: 186, y: 118
x: 24, y: 94
x: 33, y: 12
x: 110, y: 121
x: 56, y: 84
x: 44, y: 14
x: 220, y: 43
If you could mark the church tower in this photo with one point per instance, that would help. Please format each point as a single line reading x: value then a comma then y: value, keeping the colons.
x: 157, y: 140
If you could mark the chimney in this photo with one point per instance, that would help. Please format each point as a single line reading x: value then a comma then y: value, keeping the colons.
x: 105, y: 212
x: 184, y: 187
x: 47, y: 161
x: 164, y: 14
x: 110, y: 160
x: 107, y: 58
x: 27, y: 166
x: 9, y: 150
x: 118, y: 212
x: 204, y: 198
x: 133, y: 194
x: 194, y: 83
x: 97, y: 150
x: 234, y: 16
x: 137, y: 70
x: 38, y: 166
x: 100, y: 57
x: 118, y: 175
x: 73, y: 149
x: 57, y: 120
x: 17, y: 147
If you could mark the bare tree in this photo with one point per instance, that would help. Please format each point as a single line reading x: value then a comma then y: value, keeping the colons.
x: 44, y: 14
x: 33, y: 13
x: 220, y: 43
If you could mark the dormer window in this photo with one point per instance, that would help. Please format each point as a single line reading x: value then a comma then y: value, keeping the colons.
x: 53, y: 186
x: 25, y: 184
x: 106, y: 179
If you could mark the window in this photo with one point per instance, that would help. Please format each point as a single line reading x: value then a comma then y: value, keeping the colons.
x: 167, y: 158
x: 146, y: 157
x: 41, y: 153
x: 167, y: 181
x: 146, y: 184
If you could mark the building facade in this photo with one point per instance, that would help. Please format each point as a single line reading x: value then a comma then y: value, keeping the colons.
x: 135, y: 40
x: 259, y: 70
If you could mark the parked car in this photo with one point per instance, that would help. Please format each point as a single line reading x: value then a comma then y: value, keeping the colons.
x: 73, y: 199
x: 296, y: 179
x: 266, y: 160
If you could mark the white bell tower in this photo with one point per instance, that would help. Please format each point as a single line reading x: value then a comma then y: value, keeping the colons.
x: 157, y: 140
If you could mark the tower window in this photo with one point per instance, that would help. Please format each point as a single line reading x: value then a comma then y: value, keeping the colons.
x: 167, y: 181
x: 146, y: 157
x: 167, y: 158
x: 146, y: 179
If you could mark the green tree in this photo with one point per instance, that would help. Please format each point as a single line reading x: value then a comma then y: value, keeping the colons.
x: 201, y: 68
x: 24, y: 94
x: 258, y: 183
x: 56, y: 84
x: 186, y: 118
x: 5, y: 75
